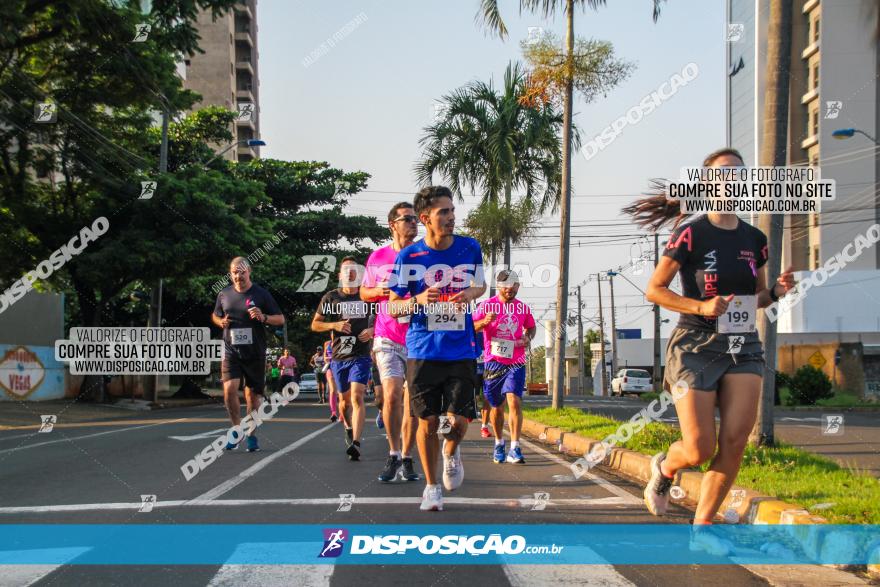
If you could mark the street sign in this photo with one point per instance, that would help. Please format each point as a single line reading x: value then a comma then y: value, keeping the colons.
x: 817, y: 360
x: 837, y: 357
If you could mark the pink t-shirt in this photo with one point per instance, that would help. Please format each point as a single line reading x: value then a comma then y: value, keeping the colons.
x: 379, y: 268
x: 287, y: 364
x: 508, y: 326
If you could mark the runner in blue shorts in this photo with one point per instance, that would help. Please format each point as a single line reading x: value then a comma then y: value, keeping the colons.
x: 508, y: 327
x: 346, y: 317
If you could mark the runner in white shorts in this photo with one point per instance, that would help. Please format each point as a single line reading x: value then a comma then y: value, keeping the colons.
x: 389, y: 346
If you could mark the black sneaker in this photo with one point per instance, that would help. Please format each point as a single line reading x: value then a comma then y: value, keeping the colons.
x: 333, y: 417
x: 349, y: 436
x: 354, y: 451
x: 390, y: 471
x: 409, y: 472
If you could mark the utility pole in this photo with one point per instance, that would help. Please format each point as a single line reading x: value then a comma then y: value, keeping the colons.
x: 580, y: 344
x: 611, y: 275
x: 601, y: 336
x: 151, y: 384
x: 656, y: 376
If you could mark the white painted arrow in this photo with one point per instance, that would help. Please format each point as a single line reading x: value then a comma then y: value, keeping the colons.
x: 209, y: 434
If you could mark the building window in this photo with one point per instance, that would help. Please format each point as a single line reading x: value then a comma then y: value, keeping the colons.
x: 815, y: 256
x: 815, y: 220
x: 814, y: 29
x: 814, y: 75
x: 813, y: 119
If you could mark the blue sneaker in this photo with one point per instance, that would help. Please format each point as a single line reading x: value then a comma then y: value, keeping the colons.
x: 231, y: 445
x: 252, y: 445
x: 515, y: 456
x: 380, y: 424
x: 498, y: 457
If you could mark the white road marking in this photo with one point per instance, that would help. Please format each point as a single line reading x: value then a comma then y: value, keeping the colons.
x: 626, y: 497
x: 234, y: 482
x: 75, y: 438
x: 209, y: 434
x: 562, y: 575
x: 24, y: 575
x: 475, y: 501
x: 269, y: 575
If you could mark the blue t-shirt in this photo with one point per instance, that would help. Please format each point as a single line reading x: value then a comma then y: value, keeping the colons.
x: 452, y: 271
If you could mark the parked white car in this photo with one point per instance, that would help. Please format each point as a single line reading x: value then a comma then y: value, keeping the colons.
x: 631, y: 381
x: 308, y: 385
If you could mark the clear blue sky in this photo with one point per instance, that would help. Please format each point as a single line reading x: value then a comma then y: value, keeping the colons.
x: 363, y: 106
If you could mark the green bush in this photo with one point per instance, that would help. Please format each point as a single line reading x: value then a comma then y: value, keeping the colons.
x: 783, y: 380
x: 810, y: 385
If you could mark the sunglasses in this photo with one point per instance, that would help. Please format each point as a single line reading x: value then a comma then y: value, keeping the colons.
x: 407, y: 218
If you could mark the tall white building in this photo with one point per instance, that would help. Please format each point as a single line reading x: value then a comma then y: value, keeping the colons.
x: 835, y: 63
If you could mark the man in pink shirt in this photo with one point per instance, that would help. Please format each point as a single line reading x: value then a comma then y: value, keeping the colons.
x: 389, y: 345
x: 508, y: 327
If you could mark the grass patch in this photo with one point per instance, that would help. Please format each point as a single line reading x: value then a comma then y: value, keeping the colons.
x: 789, y: 473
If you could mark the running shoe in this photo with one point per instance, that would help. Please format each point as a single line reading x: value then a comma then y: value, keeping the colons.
x: 498, y: 457
x: 453, y: 469
x: 390, y: 471
x: 349, y: 436
x: 232, y: 445
x: 704, y: 539
x: 354, y: 451
x: 409, y: 471
x: 432, y: 499
x: 515, y: 456
x: 657, y: 490
x: 380, y: 424
x: 333, y: 417
x: 252, y: 444
x: 484, y: 432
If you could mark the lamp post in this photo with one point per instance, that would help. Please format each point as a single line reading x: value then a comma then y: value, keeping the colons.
x: 248, y: 142
x: 848, y: 133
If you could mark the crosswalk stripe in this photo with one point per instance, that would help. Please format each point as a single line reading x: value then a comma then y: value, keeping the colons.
x: 267, y: 575
x: 24, y: 575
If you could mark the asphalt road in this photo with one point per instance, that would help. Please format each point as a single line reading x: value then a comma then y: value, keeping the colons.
x: 95, y: 472
x: 855, y: 444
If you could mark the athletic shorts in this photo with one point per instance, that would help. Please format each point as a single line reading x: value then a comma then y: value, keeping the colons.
x: 439, y: 387
x: 390, y: 358
x: 285, y: 379
x: 500, y: 379
x: 356, y: 370
x: 701, y: 358
x: 253, y: 371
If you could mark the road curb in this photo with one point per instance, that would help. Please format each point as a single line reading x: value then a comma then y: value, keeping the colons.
x: 749, y: 506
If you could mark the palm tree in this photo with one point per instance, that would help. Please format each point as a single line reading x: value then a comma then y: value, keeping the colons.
x: 491, y: 16
x: 493, y: 143
x: 774, y: 150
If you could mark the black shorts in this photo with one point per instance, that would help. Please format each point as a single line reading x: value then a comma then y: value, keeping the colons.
x: 439, y: 387
x: 253, y: 371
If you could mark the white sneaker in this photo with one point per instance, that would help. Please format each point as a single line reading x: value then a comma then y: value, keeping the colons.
x: 453, y: 469
x: 702, y: 539
x: 432, y: 499
x: 657, y: 490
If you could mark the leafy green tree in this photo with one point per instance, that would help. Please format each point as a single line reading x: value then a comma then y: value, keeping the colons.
x: 493, y: 143
x: 809, y: 385
x: 490, y: 15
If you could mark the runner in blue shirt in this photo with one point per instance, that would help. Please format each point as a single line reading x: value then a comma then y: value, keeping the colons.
x: 443, y: 274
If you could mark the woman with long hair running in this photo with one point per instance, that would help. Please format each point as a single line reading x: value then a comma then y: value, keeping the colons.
x: 714, y: 349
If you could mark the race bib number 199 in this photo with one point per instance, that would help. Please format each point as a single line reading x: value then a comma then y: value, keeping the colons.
x: 740, y: 315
